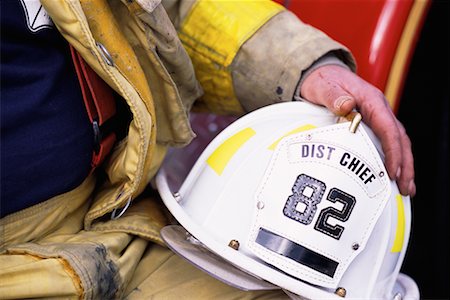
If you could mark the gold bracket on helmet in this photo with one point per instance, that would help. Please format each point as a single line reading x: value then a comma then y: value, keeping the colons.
x: 354, y: 117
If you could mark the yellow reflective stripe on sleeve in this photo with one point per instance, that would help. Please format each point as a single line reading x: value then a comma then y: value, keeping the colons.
x: 296, y: 130
x: 219, y: 159
x: 219, y: 28
x: 400, y: 232
x: 212, y: 34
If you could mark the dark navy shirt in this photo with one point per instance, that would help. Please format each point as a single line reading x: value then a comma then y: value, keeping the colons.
x: 46, y: 136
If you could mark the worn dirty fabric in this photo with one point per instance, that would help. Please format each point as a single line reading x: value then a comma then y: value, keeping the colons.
x: 103, y: 263
x: 260, y: 81
x: 226, y: 26
x: 45, y: 252
x: 69, y: 246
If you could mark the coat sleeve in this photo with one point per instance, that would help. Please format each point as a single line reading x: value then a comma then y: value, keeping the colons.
x: 248, y: 54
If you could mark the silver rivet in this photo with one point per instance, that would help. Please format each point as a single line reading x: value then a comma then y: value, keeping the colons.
x: 381, y: 174
x: 398, y: 296
x: 234, y: 244
x: 107, y: 58
x: 340, y: 291
x: 260, y: 205
x: 355, y: 246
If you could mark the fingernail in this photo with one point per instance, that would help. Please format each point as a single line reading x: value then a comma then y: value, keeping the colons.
x: 340, y: 101
x: 399, y: 173
x: 412, y: 188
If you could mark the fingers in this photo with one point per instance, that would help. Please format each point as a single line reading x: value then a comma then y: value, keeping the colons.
x: 406, y: 178
x: 384, y: 125
x: 341, y: 91
x: 395, y: 142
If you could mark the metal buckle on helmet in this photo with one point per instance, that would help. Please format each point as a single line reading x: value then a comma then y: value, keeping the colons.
x: 354, y: 117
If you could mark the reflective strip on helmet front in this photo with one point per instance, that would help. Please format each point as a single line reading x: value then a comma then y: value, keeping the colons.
x: 296, y: 252
x: 400, y: 232
x: 219, y: 159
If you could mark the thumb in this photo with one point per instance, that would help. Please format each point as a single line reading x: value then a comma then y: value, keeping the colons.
x: 340, y: 103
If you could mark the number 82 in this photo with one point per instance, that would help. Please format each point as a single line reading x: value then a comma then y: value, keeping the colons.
x: 309, y: 191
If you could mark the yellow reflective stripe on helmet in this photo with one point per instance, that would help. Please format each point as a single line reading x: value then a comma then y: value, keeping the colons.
x: 400, y: 232
x: 296, y: 130
x: 212, y: 34
x: 219, y: 159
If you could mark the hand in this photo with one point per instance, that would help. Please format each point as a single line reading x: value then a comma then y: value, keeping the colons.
x: 341, y: 91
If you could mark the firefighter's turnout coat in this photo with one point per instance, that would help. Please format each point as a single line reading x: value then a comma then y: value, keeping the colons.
x: 163, y: 58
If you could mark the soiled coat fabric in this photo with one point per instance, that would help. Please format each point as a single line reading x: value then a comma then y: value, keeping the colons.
x: 163, y: 59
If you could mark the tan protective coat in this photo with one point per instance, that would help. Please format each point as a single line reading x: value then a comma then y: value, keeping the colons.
x: 68, y: 247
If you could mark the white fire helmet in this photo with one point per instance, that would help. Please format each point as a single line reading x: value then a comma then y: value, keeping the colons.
x: 287, y: 197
